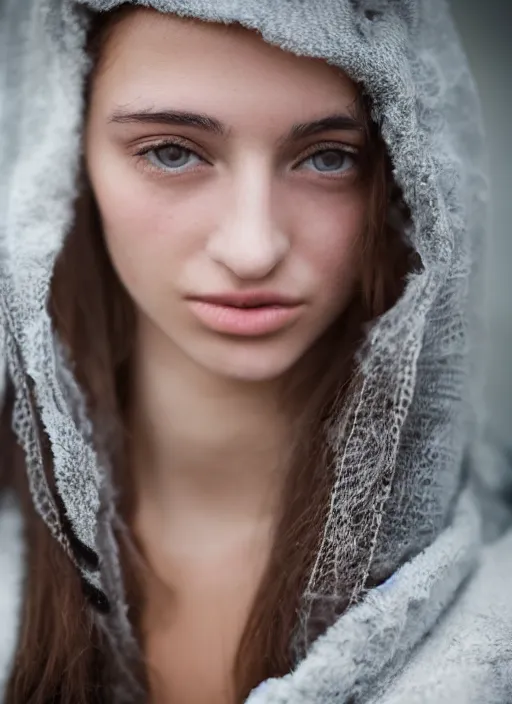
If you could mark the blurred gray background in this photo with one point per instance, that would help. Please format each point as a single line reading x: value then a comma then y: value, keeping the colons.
x: 486, y: 28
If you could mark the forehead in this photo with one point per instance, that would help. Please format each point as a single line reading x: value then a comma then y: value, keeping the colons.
x: 154, y: 56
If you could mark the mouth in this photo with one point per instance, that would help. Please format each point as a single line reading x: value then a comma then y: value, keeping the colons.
x: 251, y: 306
x: 244, y: 300
x: 246, y: 315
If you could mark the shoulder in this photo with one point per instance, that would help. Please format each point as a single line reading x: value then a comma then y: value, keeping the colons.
x: 467, y: 657
x: 11, y: 577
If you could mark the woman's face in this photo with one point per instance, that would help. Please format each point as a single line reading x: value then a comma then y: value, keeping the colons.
x: 233, y: 207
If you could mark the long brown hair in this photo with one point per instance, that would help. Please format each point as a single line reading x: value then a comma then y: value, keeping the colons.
x: 62, y: 655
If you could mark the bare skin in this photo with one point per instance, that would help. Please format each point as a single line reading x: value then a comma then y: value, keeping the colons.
x: 250, y: 209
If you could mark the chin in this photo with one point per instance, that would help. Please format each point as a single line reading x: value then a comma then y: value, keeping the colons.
x: 250, y: 361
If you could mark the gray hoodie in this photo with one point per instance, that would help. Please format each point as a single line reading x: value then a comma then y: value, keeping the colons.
x: 412, y: 458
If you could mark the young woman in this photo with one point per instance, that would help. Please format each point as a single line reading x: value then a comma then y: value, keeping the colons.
x: 239, y: 277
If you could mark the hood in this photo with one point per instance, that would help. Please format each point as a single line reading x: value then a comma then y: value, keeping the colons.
x: 403, y: 455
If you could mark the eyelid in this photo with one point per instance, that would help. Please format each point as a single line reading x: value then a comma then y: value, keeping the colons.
x: 170, y: 142
x: 325, y: 146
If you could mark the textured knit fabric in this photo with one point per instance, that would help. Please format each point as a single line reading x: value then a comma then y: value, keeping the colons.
x: 411, y: 460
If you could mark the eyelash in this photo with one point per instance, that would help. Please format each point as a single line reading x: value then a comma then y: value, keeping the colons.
x: 147, y: 165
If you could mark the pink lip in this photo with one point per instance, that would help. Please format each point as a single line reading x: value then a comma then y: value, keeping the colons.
x: 243, y: 299
x: 229, y: 318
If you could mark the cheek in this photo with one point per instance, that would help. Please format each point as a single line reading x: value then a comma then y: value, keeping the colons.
x: 331, y: 240
x: 138, y: 223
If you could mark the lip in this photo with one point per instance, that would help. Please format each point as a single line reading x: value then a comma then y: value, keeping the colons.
x: 242, y: 299
x: 246, y: 314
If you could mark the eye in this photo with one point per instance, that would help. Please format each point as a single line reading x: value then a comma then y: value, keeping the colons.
x: 174, y: 157
x: 170, y: 156
x: 332, y: 160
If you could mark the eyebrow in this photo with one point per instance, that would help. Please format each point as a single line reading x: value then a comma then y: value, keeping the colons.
x: 300, y: 130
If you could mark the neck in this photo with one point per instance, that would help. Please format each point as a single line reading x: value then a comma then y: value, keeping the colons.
x: 202, y: 444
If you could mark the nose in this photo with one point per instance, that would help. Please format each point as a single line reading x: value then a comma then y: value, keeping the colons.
x: 249, y: 241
